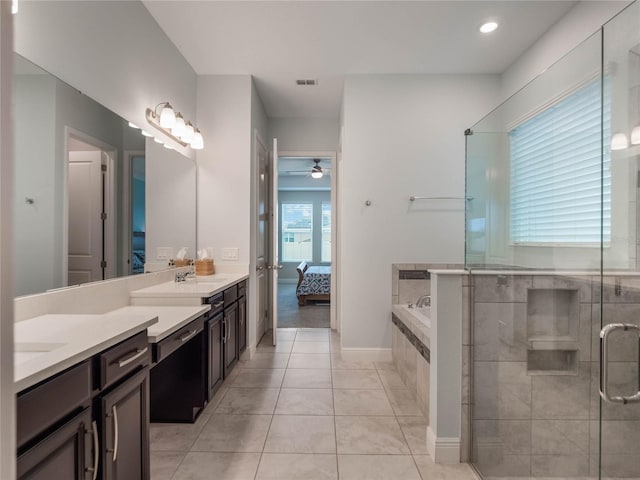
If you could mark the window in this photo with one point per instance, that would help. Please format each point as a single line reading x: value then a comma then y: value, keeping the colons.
x: 325, y: 255
x: 297, y: 232
x: 559, y: 188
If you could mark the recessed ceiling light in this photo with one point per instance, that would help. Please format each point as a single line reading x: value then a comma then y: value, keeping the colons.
x: 488, y: 27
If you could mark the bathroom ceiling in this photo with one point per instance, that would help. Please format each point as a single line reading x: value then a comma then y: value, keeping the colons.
x: 279, y: 42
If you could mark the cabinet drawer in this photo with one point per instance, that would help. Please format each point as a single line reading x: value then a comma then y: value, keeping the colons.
x: 230, y: 295
x: 242, y: 289
x: 47, y: 403
x: 216, y: 301
x: 124, y: 358
x: 166, y: 347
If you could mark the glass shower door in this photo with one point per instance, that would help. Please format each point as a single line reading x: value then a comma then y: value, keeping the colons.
x: 617, y: 337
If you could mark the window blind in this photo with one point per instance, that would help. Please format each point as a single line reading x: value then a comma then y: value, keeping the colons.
x: 559, y: 187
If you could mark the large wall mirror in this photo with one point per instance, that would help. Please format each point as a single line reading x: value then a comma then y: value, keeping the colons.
x: 94, y: 198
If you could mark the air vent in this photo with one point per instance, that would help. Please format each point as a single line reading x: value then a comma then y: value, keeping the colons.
x: 306, y: 82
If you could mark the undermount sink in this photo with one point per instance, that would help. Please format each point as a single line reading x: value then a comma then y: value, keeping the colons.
x: 25, y: 351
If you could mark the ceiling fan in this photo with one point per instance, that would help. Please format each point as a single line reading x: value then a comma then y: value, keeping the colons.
x: 316, y: 171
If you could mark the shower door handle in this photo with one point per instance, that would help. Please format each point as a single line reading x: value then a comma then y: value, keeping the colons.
x: 604, y: 363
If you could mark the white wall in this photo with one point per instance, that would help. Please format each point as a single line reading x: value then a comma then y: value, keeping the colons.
x: 579, y: 23
x: 35, y: 224
x: 224, y: 110
x: 305, y: 134
x: 115, y: 52
x: 170, y: 201
x: 403, y: 136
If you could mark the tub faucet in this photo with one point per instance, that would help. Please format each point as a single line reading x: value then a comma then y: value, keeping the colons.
x: 424, y: 301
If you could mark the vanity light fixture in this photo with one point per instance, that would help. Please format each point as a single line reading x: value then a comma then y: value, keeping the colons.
x: 488, y: 27
x: 174, y: 126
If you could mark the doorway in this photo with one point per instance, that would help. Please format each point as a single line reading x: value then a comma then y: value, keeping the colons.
x: 90, y: 225
x: 305, y: 202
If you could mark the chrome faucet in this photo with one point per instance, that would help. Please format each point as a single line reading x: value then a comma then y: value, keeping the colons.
x: 424, y: 301
x: 182, y: 277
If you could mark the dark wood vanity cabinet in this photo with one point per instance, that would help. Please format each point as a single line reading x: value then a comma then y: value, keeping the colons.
x: 242, y: 324
x: 90, y: 421
x: 64, y: 453
x: 230, y: 337
x: 215, y: 369
x: 124, y: 426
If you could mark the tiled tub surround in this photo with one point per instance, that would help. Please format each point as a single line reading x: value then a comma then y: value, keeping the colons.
x: 448, y: 402
x: 536, y: 375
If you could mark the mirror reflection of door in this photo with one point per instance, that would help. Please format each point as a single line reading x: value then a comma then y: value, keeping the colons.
x: 137, y: 182
x: 88, y: 189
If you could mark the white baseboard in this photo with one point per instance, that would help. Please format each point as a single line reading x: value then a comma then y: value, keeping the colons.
x: 366, y: 354
x: 443, y: 449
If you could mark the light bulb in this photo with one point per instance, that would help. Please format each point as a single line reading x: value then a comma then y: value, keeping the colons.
x: 188, y: 134
x: 488, y: 27
x: 635, y: 135
x: 198, y: 142
x: 316, y: 174
x: 619, y: 141
x: 178, y: 129
x: 167, y: 116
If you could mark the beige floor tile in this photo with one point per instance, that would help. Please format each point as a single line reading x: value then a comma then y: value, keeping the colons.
x: 403, y: 402
x: 315, y: 335
x: 433, y: 471
x: 391, y: 379
x: 385, y: 366
x: 301, y: 434
x: 266, y: 360
x: 377, y: 467
x: 175, y: 437
x: 297, y: 401
x: 338, y: 363
x: 356, y: 379
x: 227, y: 466
x: 278, y: 466
x: 370, y: 435
x: 286, y: 335
x: 310, y: 347
x: 307, y: 378
x: 308, y: 360
x: 415, y: 433
x: 248, y: 400
x: 361, y: 402
x: 165, y: 464
x: 267, y: 378
x: 215, y: 401
x: 282, y: 346
x: 233, y: 433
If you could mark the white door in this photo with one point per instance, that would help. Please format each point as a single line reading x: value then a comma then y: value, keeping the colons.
x: 262, y: 241
x: 85, y: 190
x: 275, y: 254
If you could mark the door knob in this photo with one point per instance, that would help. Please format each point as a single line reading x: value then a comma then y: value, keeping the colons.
x: 259, y: 268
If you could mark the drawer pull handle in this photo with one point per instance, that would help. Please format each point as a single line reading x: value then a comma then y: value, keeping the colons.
x: 96, y: 451
x: 187, y: 336
x: 132, y: 358
x: 218, y: 304
x: 115, y: 433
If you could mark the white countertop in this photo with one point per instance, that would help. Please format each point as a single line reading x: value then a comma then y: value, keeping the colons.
x: 185, y: 293
x: 170, y: 318
x: 49, y: 344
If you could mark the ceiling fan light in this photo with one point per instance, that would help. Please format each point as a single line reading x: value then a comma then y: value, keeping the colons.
x: 316, y: 172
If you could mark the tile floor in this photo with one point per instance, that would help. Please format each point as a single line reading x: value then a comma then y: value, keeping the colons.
x: 299, y: 411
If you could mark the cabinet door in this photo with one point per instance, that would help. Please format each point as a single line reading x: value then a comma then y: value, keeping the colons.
x: 242, y: 324
x: 230, y: 340
x: 64, y: 454
x: 214, y: 364
x: 125, y: 430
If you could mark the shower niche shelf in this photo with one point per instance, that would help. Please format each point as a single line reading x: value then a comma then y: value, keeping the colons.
x: 552, y: 331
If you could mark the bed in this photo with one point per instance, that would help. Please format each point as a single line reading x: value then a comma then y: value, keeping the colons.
x: 314, y: 283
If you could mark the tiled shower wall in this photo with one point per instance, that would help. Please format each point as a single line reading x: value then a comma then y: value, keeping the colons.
x: 536, y: 376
